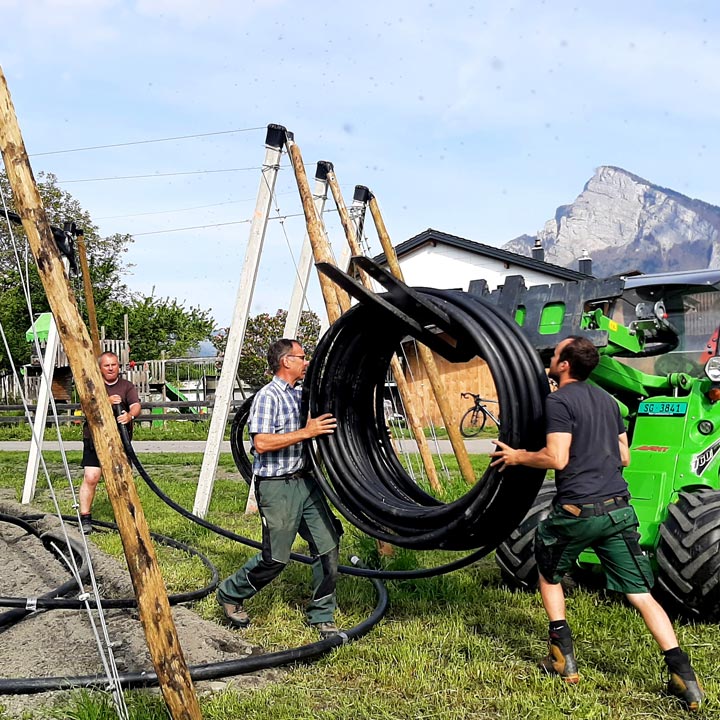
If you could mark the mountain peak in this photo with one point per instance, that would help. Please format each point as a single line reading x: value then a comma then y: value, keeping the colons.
x: 625, y: 222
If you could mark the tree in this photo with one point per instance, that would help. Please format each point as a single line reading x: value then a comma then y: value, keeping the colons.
x: 18, y: 273
x: 262, y: 330
x: 155, y: 325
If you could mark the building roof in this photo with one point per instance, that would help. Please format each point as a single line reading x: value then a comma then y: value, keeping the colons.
x: 435, y: 237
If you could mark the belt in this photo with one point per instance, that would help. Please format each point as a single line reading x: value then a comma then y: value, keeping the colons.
x: 603, y: 507
x: 290, y: 476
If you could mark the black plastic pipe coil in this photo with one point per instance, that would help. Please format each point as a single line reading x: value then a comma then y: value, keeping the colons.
x: 357, y: 465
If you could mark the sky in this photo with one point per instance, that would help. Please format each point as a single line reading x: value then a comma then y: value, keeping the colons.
x: 476, y: 118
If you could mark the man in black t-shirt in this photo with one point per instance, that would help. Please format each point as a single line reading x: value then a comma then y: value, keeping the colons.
x: 120, y: 392
x: 587, y: 446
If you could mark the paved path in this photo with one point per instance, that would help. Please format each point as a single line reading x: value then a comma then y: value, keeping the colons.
x: 198, y: 446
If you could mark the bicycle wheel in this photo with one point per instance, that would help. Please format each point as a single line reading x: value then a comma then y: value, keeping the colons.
x: 472, y: 422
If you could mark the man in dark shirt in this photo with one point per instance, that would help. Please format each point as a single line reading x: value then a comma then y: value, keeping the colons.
x: 587, y: 446
x: 120, y: 392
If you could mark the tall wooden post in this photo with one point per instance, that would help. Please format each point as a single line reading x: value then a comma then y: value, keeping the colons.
x: 153, y: 605
x: 395, y: 366
x: 89, y: 295
x: 426, y: 357
x: 336, y: 299
x: 304, y: 266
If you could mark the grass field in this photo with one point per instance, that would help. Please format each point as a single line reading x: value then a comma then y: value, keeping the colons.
x: 453, y: 647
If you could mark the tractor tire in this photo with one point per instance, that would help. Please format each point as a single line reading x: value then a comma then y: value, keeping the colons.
x: 688, y: 555
x: 516, y: 556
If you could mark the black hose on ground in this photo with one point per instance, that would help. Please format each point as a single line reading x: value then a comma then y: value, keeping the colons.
x: 209, y: 671
x: 48, y: 539
x: 55, y: 600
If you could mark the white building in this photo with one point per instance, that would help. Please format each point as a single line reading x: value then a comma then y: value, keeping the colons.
x: 436, y: 259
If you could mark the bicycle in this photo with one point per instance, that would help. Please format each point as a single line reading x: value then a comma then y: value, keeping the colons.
x: 473, y: 421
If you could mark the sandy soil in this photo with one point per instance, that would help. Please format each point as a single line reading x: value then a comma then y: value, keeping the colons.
x: 61, y: 642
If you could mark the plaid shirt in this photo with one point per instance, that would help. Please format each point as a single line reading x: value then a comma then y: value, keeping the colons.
x: 276, y: 409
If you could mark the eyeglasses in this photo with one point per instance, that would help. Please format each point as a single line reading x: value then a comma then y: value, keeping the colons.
x: 302, y: 357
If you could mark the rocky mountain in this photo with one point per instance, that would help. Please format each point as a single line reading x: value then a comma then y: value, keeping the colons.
x: 626, y: 223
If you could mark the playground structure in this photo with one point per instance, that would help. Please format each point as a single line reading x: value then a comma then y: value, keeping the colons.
x: 173, y: 379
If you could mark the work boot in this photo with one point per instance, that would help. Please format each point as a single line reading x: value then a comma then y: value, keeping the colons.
x: 326, y: 629
x: 86, y: 526
x: 683, y: 683
x: 561, y: 661
x: 235, y: 614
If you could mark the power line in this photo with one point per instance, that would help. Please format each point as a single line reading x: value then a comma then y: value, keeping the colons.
x: 145, y: 142
x: 166, y: 212
x: 158, y: 175
x: 192, y: 227
x: 179, y: 210
x: 213, y: 225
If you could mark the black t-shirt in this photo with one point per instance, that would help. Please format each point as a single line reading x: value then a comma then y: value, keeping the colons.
x: 128, y: 396
x: 594, y: 470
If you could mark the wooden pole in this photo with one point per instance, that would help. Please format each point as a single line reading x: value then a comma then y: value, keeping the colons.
x: 89, y: 295
x: 304, y: 266
x: 426, y: 357
x: 395, y: 366
x: 336, y: 299
x: 153, y: 606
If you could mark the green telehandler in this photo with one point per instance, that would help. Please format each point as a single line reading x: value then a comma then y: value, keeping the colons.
x: 658, y: 342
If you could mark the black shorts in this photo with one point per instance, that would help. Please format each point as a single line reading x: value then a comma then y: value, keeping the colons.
x: 89, y: 458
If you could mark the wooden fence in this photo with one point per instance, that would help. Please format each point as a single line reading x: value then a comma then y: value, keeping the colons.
x: 72, y: 413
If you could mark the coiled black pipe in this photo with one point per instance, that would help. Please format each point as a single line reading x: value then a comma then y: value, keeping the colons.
x: 357, y: 466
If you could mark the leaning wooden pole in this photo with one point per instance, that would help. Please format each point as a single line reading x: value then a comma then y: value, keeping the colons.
x: 153, y: 606
x: 426, y: 356
x: 336, y: 299
x: 395, y: 366
x: 89, y: 295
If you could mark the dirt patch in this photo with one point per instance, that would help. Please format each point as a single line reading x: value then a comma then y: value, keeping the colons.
x: 61, y: 643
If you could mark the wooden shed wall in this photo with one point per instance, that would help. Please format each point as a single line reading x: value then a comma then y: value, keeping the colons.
x: 472, y: 376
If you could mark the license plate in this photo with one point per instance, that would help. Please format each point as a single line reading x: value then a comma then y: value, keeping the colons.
x: 655, y: 407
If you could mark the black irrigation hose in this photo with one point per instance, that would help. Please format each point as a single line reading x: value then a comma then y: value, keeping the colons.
x: 12, y: 616
x: 55, y: 600
x: 365, y: 480
x: 210, y: 671
x: 298, y: 557
x: 237, y: 447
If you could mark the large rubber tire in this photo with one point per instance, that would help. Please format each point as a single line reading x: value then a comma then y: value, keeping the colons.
x: 516, y: 556
x: 688, y: 555
x: 470, y: 429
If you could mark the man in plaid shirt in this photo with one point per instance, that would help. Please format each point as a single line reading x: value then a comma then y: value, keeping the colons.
x: 288, y: 498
